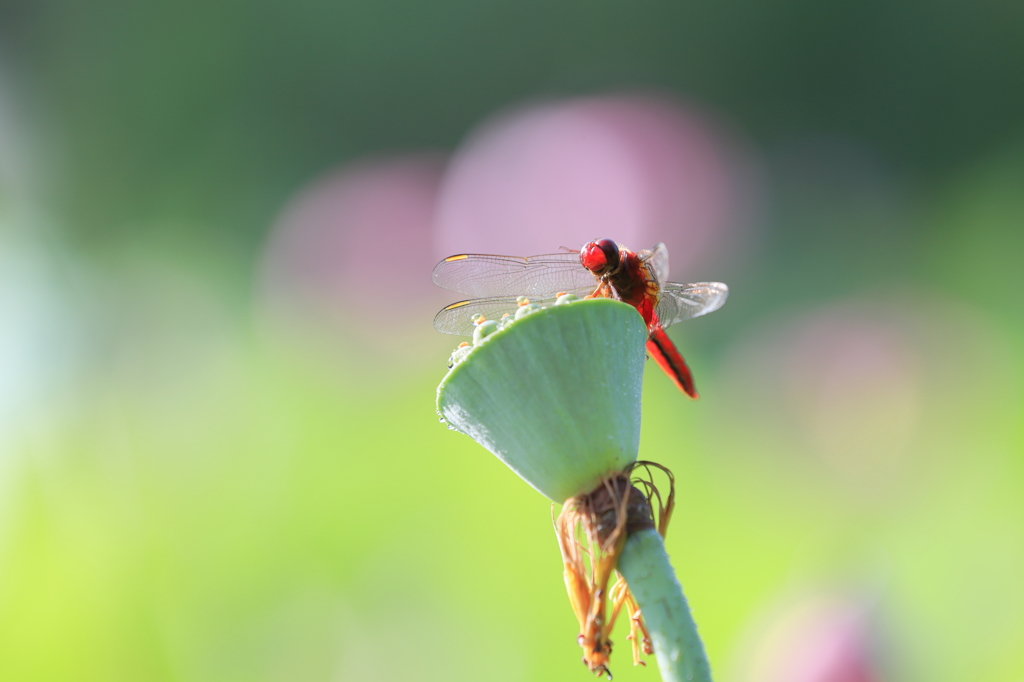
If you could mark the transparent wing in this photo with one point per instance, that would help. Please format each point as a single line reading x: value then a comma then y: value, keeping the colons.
x: 678, y: 302
x: 455, y: 318
x: 483, y: 275
x: 657, y: 262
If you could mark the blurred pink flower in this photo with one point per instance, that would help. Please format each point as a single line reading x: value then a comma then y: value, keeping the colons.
x: 834, y: 394
x: 636, y: 168
x: 854, y: 386
x: 355, y: 248
x: 354, y: 251
x: 827, y: 638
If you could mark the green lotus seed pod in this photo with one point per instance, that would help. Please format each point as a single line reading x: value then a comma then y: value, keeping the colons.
x: 525, y: 310
x: 483, y: 330
x: 566, y: 298
x: 556, y: 396
x: 459, y: 354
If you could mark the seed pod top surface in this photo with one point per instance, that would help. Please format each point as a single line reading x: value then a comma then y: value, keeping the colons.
x: 555, y: 395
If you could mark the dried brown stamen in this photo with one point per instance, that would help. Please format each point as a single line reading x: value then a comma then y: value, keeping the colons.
x: 592, y: 530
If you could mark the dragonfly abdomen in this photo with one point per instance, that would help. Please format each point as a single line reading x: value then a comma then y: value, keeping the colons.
x: 664, y: 352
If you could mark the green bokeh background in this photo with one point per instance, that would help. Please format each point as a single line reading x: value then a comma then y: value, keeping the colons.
x: 188, y: 492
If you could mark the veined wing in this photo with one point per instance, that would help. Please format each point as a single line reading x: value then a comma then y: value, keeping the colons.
x: 455, y: 318
x: 657, y: 262
x: 483, y: 275
x: 678, y: 302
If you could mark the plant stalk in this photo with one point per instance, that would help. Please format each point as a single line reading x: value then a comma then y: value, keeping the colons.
x: 649, y: 575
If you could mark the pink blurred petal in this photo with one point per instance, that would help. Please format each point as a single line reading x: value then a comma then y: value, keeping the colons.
x: 835, y: 394
x: 636, y: 168
x: 820, y: 639
x: 355, y: 247
x: 854, y: 385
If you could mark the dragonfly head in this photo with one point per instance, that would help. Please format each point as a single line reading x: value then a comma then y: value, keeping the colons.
x: 600, y: 256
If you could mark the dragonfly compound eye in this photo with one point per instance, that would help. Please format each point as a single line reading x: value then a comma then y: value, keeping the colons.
x: 600, y: 256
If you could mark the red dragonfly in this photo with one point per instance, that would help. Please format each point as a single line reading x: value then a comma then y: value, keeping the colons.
x: 602, y: 268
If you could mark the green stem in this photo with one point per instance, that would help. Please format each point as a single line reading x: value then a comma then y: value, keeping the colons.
x: 645, y: 566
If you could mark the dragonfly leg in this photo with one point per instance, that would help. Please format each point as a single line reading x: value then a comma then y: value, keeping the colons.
x: 603, y: 290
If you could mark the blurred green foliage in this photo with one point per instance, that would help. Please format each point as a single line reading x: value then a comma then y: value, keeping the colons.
x: 215, y: 112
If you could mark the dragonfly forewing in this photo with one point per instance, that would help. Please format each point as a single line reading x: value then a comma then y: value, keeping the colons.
x: 488, y: 276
